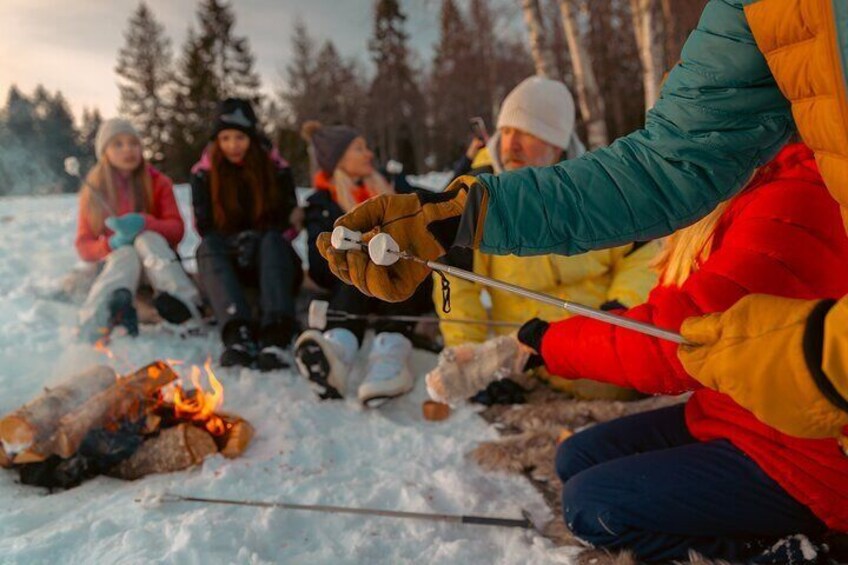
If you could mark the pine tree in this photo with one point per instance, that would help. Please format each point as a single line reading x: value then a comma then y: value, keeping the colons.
x: 144, y: 68
x: 453, y: 98
x: 231, y: 57
x: 59, y: 139
x: 91, y: 121
x: 396, y: 107
x: 20, y: 115
x: 300, y: 82
x: 195, y: 97
x: 214, y: 65
x: 341, y: 94
x: 36, y: 134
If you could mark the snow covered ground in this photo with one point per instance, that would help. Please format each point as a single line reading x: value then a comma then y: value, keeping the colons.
x: 305, y: 451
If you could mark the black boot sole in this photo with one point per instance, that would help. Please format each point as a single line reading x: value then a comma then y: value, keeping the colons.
x: 313, y: 365
x: 268, y: 362
x: 171, y: 308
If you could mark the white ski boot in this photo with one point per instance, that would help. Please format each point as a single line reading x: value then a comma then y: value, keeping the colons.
x: 326, y: 359
x: 388, y: 375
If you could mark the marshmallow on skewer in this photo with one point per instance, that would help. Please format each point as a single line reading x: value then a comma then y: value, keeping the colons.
x: 344, y: 239
x: 318, y: 314
x: 384, y: 250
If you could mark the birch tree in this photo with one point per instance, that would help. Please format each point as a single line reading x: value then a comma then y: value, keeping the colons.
x: 589, y: 99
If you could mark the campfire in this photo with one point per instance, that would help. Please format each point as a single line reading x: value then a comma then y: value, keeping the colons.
x: 126, y: 426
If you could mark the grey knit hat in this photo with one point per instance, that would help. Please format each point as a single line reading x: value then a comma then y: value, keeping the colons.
x: 108, y: 130
x: 329, y: 143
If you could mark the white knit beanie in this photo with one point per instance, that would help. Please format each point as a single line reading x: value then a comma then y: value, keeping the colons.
x: 108, y: 130
x: 540, y: 107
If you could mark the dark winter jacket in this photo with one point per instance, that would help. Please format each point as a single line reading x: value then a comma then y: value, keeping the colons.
x: 321, y: 213
x: 783, y: 236
x: 276, y: 218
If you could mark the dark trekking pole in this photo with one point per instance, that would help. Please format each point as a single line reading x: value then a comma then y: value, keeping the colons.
x: 320, y: 314
x: 523, y: 523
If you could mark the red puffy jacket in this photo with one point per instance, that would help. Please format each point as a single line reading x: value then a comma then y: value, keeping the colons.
x: 164, y: 219
x: 782, y: 236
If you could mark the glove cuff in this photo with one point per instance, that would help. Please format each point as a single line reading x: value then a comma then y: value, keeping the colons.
x: 470, y: 231
x: 444, y: 229
x: 531, y: 335
x: 813, y: 353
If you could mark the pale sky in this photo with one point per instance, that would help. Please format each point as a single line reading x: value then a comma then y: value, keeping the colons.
x: 73, y: 46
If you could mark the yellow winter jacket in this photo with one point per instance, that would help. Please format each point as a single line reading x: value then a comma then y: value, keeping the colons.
x: 619, y: 275
x: 805, y: 43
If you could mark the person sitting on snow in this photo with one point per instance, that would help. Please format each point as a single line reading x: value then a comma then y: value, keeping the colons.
x: 706, y: 476
x: 244, y: 201
x: 754, y: 72
x: 536, y: 129
x: 130, y: 224
x: 345, y: 176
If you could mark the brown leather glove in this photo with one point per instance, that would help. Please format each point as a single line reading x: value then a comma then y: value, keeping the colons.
x: 423, y: 225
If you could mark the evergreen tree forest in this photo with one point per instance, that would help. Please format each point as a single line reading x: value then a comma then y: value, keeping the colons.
x: 411, y: 110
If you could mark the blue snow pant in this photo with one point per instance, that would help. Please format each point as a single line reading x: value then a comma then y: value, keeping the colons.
x: 643, y: 483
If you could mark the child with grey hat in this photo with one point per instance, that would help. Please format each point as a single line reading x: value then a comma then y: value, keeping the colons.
x: 129, y: 224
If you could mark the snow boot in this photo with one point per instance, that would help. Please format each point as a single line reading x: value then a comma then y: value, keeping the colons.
x: 171, y: 308
x: 326, y: 359
x: 388, y: 375
x: 122, y: 312
x: 239, y: 345
x: 274, y: 341
x: 272, y: 358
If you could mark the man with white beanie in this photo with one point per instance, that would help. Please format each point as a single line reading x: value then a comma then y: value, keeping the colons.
x: 536, y: 128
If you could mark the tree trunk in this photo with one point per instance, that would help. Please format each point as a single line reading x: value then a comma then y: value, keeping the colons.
x: 650, y: 50
x: 30, y: 427
x: 542, y: 56
x: 589, y: 98
x: 672, y: 44
x: 174, y: 449
x: 130, y: 396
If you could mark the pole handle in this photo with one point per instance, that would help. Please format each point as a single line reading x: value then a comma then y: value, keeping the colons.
x: 524, y: 523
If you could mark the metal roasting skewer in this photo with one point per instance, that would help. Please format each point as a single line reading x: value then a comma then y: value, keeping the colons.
x: 524, y: 523
x: 382, y: 245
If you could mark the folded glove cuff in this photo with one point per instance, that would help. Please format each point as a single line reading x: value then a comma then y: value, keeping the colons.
x: 814, y: 350
x: 531, y: 335
x: 444, y: 230
x: 470, y: 230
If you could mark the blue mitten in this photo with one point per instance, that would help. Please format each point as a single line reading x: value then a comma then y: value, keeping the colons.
x: 128, y: 225
x: 117, y: 240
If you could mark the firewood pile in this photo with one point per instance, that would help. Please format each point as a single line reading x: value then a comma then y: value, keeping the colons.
x: 99, y: 422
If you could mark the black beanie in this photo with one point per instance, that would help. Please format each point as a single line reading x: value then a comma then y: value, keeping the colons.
x: 329, y: 143
x: 235, y: 113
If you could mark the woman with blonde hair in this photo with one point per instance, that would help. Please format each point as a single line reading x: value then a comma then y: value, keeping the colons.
x: 130, y: 223
x: 706, y: 475
x: 344, y: 177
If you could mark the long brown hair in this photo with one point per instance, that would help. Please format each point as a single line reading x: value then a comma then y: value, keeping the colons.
x: 99, y: 196
x: 257, y: 172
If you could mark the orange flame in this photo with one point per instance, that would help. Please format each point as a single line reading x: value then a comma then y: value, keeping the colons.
x: 202, y: 405
x: 100, y: 347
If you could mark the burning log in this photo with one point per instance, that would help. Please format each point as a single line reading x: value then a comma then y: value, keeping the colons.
x: 237, y: 437
x: 173, y: 449
x: 130, y: 397
x: 27, y: 431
